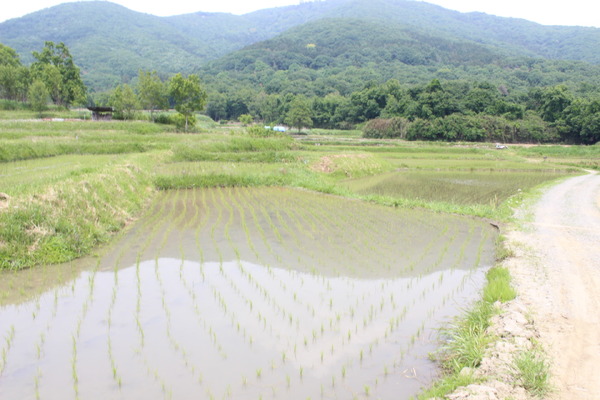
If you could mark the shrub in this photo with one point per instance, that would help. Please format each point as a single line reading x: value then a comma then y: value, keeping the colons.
x: 386, y: 128
x: 180, y: 122
x: 259, y: 131
x: 166, y: 119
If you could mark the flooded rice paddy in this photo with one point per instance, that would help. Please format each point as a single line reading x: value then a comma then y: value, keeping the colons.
x: 460, y: 187
x: 245, y: 294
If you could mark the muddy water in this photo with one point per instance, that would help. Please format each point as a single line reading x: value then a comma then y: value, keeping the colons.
x: 245, y: 294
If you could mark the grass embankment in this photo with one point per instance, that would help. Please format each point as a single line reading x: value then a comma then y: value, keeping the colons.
x: 79, y: 209
x: 24, y: 140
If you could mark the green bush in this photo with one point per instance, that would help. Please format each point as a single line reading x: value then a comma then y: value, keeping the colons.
x: 259, y: 131
x: 9, y: 105
x: 165, y: 119
x: 380, y: 128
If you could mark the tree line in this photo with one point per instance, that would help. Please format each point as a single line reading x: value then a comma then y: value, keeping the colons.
x: 53, y: 76
x: 448, y: 111
x: 185, y: 94
x: 439, y: 110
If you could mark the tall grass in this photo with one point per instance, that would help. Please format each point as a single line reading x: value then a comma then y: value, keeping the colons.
x: 498, y: 286
x: 67, y: 219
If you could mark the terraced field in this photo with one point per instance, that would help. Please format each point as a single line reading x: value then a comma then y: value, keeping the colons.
x: 270, y: 293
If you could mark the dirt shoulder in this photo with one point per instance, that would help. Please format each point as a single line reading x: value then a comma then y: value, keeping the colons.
x: 557, y: 273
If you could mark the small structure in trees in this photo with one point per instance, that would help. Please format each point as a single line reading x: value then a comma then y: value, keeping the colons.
x: 101, y: 113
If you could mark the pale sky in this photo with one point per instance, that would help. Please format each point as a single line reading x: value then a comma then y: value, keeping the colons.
x: 572, y: 12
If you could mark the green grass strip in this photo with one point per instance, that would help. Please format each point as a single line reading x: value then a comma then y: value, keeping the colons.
x: 466, y: 340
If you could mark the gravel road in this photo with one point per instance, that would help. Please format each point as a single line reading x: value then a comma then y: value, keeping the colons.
x: 558, y: 279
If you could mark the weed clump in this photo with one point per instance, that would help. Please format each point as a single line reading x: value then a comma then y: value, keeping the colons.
x: 534, y: 372
x: 498, y: 286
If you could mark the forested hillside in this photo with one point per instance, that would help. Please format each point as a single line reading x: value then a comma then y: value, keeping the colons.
x: 397, y: 68
x: 111, y: 43
x: 341, y: 55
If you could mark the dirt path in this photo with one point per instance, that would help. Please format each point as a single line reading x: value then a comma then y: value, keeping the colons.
x: 557, y: 272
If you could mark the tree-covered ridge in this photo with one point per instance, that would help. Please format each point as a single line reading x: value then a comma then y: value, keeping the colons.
x: 112, y: 43
x: 338, y: 56
x: 341, y: 43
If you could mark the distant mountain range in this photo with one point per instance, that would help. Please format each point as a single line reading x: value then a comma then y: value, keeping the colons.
x: 111, y: 43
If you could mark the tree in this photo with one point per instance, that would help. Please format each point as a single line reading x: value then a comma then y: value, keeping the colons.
x: 217, y: 107
x: 8, y: 56
x: 188, y: 95
x: 38, y: 96
x: 152, y: 92
x: 124, y: 102
x: 246, y: 119
x: 299, y: 114
x: 13, y: 82
x: 69, y: 88
x: 554, y: 100
x: 14, y: 77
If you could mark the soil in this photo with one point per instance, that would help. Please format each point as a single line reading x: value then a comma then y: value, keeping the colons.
x: 559, y: 281
x: 556, y: 270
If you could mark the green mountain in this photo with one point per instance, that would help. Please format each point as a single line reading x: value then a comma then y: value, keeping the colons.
x: 341, y: 55
x: 111, y: 43
x: 108, y: 42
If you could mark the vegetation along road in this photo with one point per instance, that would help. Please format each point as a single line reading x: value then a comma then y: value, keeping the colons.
x: 558, y: 275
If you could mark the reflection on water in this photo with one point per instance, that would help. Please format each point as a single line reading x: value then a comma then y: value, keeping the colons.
x: 175, y: 310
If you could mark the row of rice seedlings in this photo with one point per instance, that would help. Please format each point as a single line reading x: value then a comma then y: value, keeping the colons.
x: 206, y: 213
x: 315, y: 336
x: 217, y: 223
x: 236, y: 200
x: 247, y: 197
x: 244, y: 201
x: 8, y: 341
x: 201, y: 320
x: 147, y: 228
x: 183, y: 353
x: 314, y: 247
x: 75, y: 336
x: 249, y: 203
x: 166, y: 217
x: 218, y: 298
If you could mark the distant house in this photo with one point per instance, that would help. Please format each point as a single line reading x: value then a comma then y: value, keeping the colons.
x: 101, y: 113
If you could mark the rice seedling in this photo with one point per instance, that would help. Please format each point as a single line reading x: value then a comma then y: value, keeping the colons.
x: 8, y: 340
